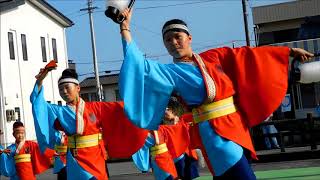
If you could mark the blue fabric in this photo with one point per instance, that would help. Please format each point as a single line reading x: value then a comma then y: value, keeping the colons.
x: 223, y: 153
x: 142, y: 157
x: 153, y: 85
x: 191, y: 168
x: 44, y: 116
x: 145, y: 103
x: 240, y: 171
x: 58, y: 165
x: 318, y: 109
x: 1, y: 159
x: 179, y: 158
x: 179, y: 163
x: 74, y: 170
x: 7, y: 163
x: 158, y: 173
x: 270, y: 129
x: 144, y: 162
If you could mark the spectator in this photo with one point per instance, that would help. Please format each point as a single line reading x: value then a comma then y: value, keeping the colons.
x: 268, y: 130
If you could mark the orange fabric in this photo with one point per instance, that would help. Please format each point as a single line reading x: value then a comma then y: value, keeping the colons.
x: 109, y: 119
x: 119, y: 132
x: 165, y: 162
x: 176, y: 137
x: 187, y: 119
x: 51, y: 65
x: 63, y: 156
x: 39, y: 162
x: 260, y: 72
x: 192, y: 153
x: 256, y: 77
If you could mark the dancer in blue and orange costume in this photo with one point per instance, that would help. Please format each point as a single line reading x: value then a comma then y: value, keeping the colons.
x: 83, y: 123
x: 187, y: 163
x: 60, y: 157
x: 23, y: 159
x: 4, y: 168
x: 163, y: 147
x: 228, y: 90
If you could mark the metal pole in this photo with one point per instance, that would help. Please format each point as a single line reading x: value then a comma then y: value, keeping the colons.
x: 94, y: 53
x: 245, y: 18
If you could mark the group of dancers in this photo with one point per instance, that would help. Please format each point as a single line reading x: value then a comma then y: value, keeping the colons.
x: 205, y: 101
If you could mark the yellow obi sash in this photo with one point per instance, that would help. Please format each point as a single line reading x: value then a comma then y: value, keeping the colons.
x: 22, y: 158
x: 213, y: 110
x: 60, y: 149
x: 158, y: 149
x: 78, y: 141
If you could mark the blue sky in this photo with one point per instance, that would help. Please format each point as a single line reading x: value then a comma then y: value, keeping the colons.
x: 213, y: 23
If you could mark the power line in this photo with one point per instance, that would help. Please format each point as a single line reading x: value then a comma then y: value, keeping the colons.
x: 173, y: 5
x: 100, y: 72
x: 170, y: 5
x: 166, y: 54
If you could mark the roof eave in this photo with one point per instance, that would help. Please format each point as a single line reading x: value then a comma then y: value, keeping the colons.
x: 52, y: 12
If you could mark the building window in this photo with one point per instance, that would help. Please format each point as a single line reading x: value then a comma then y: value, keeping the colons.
x: 54, y: 49
x: 24, y: 47
x: 43, y: 49
x: 11, y: 45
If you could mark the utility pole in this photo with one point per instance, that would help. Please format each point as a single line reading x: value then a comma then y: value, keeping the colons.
x: 93, y: 44
x: 245, y: 18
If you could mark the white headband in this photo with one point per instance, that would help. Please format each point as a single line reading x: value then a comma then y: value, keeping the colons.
x: 68, y: 80
x: 175, y: 26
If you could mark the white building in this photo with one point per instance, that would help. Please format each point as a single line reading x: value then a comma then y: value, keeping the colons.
x: 32, y: 33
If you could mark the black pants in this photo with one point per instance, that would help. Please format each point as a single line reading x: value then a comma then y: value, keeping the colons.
x: 62, y: 174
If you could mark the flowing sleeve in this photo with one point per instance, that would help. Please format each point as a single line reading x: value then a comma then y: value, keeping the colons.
x: 145, y: 87
x: 121, y: 137
x: 44, y: 115
x: 40, y: 162
x: 7, y: 163
x: 142, y: 157
x: 260, y: 72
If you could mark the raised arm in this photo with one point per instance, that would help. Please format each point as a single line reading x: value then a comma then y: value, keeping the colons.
x: 125, y: 25
x: 144, y: 85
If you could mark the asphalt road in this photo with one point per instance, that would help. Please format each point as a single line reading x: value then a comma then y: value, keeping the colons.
x: 126, y: 170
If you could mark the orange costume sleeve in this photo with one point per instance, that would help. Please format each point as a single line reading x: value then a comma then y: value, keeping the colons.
x: 121, y: 137
x: 259, y: 76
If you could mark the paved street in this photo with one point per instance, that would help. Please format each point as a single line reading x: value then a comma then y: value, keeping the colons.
x: 126, y: 170
x: 298, y: 157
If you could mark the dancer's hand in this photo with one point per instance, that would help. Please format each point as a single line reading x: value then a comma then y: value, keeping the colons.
x: 127, y: 13
x: 125, y: 25
x: 301, y: 54
x: 7, y: 151
x: 41, y: 75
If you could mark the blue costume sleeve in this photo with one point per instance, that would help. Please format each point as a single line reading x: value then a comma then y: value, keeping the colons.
x: 142, y: 157
x: 58, y: 164
x: 145, y: 87
x: 7, y: 164
x: 44, y: 115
